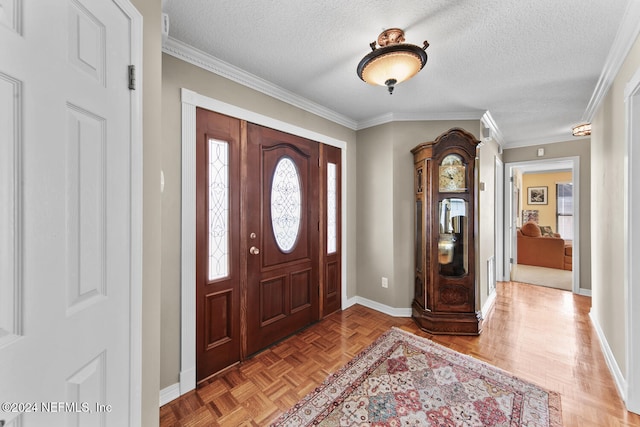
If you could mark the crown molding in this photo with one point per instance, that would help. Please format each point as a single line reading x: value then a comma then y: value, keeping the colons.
x: 191, y: 55
x: 210, y: 63
x: 625, y: 38
x: 496, y: 133
x: 410, y: 117
x: 542, y: 141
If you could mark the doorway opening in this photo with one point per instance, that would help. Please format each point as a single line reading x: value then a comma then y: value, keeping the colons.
x: 542, y: 223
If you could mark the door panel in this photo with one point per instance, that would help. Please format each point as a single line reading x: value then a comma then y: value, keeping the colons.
x: 67, y: 208
x: 331, y: 256
x: 217, y: 237
x: 282, y: 222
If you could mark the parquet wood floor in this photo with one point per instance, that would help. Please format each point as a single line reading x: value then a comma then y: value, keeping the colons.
x: 540, y: 334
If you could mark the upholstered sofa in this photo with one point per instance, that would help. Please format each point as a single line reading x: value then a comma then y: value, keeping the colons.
x: 549, y: 251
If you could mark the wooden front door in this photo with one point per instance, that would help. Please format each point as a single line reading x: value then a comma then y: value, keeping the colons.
x: 217, y: 242
x: 283, y: 235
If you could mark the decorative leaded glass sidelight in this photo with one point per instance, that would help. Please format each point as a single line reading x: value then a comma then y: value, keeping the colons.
x: 218, y: 209
x: 286, y: 204
x: 332, y: 229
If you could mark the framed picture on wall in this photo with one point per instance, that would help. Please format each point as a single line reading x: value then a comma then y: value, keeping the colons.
x: 530, y: 215
x: 537, y: 195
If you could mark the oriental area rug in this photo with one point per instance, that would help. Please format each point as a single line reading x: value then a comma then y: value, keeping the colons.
x: 406, y: 380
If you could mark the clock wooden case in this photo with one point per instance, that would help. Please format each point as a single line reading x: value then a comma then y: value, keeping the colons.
x: 445, y: 294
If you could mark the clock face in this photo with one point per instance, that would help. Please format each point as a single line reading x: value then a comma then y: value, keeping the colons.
x: 452, y: 174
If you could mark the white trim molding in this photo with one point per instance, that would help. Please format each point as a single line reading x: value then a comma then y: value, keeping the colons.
x: 382, y: 308
x: 137, y: 214
x: 632, y: 242
x: 618, y: 378
x: 585, y: 292
x: 188, y: 252
x: 408, y: 117
x: 488, y: 121
x: 170, y: 393
x: 191, y: 100
x: 210, y: 63
x: 405, y: 311
x: 488, y: 305
x: 626, y: 36
x: 193, y: 56
x: 542, y: 141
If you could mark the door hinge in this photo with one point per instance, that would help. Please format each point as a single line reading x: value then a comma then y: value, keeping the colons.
x: 510, y: 260
x: 511, y: 179
x: 132, y: 77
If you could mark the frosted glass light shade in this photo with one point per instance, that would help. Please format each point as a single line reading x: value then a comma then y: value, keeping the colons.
x: 582, y: 130
x: 393, y: 62
x: 396, y: 63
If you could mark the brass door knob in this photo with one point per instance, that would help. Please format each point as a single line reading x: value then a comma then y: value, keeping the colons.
x: 254, y: 250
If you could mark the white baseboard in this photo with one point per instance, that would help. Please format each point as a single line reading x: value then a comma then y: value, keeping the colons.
x: 187, y: 380
x: 618, y: 378
x: 406, y: 312
x: 488, y: 305
x: 391, y: 311
x: 348, y: 302
x: 169, y: 393
x: 584, y: 291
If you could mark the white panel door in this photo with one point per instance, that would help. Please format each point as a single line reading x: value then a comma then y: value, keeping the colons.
x: 66, y: 235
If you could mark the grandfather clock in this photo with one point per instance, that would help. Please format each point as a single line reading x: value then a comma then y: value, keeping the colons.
x: 445, y: 211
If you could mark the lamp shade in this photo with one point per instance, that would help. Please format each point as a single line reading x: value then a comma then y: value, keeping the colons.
x: 399, y: 62
x: 582, y: 130
x: 394, y: 62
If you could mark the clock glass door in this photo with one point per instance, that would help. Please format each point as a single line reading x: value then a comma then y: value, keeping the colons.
x: 453, y: 254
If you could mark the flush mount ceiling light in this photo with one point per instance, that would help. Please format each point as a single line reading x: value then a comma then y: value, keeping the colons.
x: 393, y: 62
x: 582, y: 130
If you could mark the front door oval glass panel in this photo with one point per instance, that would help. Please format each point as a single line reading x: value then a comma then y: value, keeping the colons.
x: 286, y: 207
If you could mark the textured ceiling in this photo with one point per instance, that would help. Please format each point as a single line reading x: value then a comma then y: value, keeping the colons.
x: 534, y: 64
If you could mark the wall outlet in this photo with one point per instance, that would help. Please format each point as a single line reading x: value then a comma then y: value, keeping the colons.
x: 385, y: 282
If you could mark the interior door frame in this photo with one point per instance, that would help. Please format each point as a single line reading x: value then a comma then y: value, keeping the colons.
x: 137, y: 214
x: 190, y: 101
x: 510, y: 239
x: 631, y: 392
x: 499, y: 242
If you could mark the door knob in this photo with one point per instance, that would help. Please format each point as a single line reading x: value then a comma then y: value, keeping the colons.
x: 254, y: 250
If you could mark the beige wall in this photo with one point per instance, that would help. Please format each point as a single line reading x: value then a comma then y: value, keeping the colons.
x: 577, y: 148
x: 177, y: 74
x: 546, y: 213
x: 385, y: 227
x: 607, y: 205
x: 488, y: 153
